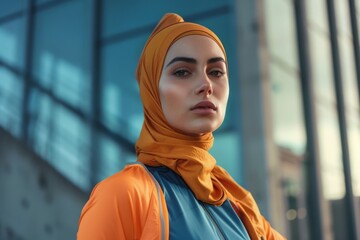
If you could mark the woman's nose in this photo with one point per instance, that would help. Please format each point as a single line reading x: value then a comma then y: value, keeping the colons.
x: 205, y: 86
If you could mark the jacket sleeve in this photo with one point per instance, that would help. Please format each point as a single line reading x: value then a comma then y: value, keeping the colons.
x: 124, y: 206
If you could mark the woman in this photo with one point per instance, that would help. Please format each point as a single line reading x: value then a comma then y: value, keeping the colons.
x: 176, y: 190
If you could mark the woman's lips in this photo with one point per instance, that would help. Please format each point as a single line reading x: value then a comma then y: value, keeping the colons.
x: 204, y: 107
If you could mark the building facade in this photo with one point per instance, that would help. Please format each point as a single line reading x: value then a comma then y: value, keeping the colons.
x: 292, y: 131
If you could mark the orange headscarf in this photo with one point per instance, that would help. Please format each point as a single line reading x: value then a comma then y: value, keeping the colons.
x: 159, y: 144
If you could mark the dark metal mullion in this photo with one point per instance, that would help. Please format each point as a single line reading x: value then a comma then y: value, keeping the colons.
x: 312, y: 163
x: 29, y: 19
x: 349, y: 198
x: 356, y: 42
x: 96, y: 93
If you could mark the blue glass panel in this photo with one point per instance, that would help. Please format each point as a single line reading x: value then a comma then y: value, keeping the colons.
x: 122, y: 109
x: 10, y: 6
x: 12, y: 36
x: 11, y: 89
x: 121, y: 16
x: 113, y: 158
x: 227, y: 152
x: 60, y: 137
x: 39, y: 2
x: 62, y: 52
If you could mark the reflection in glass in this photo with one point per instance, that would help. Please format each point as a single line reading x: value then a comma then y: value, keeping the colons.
x: 287, y: 109
x: 11, y: 89
x: 322, y: 67
x: 12, y: 43
x: 343, y: 18
x: 349, y: 81
x: 353, y: 124
x: 317, y: 15
x: 113, y: 158
x: 281, y: 31
x: 121, y: 104
x: 62, y: 52
x: 113, y: 12
x: 330, y: 152
x: 39, y: 2
x: 60, y: 137
x: 227, y: 152
x: 287, y: 113
x: 10, y: 6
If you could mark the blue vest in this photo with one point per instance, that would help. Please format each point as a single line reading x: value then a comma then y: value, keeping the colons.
x: 193, y: 219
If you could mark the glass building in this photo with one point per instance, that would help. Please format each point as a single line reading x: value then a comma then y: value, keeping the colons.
x: 292, y: 131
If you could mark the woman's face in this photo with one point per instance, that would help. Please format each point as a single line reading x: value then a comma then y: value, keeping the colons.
x: 194, y: 86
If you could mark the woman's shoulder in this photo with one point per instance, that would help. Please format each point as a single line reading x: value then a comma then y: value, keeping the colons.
x: 133, y: 179
x: 118, y: 206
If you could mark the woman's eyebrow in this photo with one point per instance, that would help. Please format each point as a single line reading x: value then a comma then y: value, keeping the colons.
x: 193, y: 60
x: 216, y: 59
x: 182, y: 59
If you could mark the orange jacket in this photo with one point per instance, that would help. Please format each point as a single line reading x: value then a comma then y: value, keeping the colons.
x: 126, y: 206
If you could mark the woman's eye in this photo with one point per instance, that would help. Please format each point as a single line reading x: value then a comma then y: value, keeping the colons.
x: 217, y: 73
x: 181, y: 73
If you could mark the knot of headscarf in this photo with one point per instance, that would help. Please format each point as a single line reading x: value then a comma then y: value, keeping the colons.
x: 158, y: 143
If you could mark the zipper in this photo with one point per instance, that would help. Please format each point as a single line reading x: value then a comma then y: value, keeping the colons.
x: 218, y: 230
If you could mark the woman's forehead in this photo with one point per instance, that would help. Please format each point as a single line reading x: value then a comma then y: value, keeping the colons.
x: 194, y: 46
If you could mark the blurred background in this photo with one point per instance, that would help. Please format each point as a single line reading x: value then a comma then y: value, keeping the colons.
x: 70, y: 110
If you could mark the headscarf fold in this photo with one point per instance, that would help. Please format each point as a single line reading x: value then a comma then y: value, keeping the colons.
x: 161, y: 145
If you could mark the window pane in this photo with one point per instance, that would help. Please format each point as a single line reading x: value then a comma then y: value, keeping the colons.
x: 11, y: 89
x: 343, y: 17
x: 330, y: 152
x: 287, y: 109
x: 332, y: 172
x: 349, y: 81
x: 62, y: 52
x: 112, y: 157
x: 11, y: 6
x: 12, y: 36
x: 227, y: 152
x: 322, y: 67
x: 353, y: 124
x: 317, y: 15
x: 117, y: 19
x: 39, y: 2
x: 60, y: 137
x: 281, y: 32
x: 287, y: 113
x: 121, y: 104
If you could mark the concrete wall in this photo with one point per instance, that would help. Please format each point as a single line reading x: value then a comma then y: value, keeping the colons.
x: 36, y: 202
